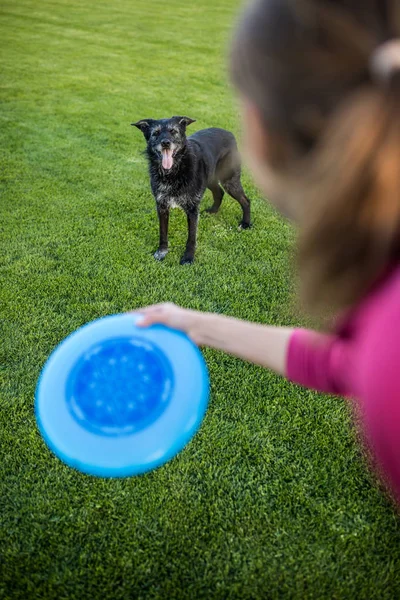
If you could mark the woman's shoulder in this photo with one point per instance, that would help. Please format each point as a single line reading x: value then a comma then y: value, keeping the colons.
x: 379, y: 320
x: 382, y: 306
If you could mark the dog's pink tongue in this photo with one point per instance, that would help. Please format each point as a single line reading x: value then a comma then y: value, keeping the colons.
x: 167, y: 159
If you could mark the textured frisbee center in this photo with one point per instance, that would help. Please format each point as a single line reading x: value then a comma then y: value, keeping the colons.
x: 119, y: 386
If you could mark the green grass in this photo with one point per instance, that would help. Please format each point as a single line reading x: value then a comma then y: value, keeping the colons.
x: 271, y: 499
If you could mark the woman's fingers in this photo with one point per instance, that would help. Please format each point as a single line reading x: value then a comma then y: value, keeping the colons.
x: 167, y: 314
x: 157, y: 313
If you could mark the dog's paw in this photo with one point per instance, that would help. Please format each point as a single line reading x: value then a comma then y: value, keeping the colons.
x: 244, y: 225
x: 160, y: 254
x: 187, y: 260
x: 211, y: 210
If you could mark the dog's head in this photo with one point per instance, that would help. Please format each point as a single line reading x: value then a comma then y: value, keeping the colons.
x: 165, y: 138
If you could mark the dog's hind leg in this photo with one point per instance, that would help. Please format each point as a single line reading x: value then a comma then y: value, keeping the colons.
x: 233, y: 187
x: 163, y: 218
x: 218, y: 194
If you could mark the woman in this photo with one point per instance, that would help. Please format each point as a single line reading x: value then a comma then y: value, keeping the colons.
x: 319, y: 88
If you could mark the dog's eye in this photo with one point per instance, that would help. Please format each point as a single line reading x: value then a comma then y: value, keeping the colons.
x: 156, y: 131
x: 173, y: 130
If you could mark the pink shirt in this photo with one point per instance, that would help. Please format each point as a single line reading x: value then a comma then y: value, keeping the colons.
x: 361, y: 360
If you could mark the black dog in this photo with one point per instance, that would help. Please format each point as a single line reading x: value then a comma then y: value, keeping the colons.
x: 182, y: 168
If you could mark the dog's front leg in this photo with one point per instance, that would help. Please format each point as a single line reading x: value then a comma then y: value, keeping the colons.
x: 163, y: 218
x: 192, y: 220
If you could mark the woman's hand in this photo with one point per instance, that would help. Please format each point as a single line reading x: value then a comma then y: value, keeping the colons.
x: 173, y: 316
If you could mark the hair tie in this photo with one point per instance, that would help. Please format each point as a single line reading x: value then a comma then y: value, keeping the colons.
x: 385, y: 62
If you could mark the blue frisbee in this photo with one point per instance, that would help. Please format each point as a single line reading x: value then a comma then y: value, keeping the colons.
x: 115, y: 400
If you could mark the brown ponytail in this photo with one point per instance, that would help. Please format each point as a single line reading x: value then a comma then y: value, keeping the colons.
x: 305, y: 64
x: 350, y: 230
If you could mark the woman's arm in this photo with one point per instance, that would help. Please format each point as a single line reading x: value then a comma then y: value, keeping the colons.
x: 311, y: 359
x: 259, y: 344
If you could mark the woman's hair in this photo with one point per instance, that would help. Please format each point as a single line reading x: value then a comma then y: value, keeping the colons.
x: 333, y: 131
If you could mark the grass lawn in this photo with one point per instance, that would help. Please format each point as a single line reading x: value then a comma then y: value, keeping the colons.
x: 271, y: 499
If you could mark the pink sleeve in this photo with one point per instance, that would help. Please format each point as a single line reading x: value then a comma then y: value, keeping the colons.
x: 317, y: 361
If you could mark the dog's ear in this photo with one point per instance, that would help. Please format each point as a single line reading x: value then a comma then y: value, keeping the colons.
x: 184, y: 121
x: 145, y: 126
